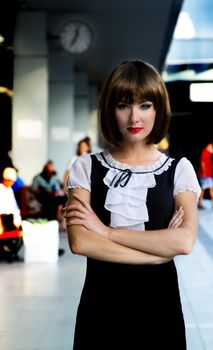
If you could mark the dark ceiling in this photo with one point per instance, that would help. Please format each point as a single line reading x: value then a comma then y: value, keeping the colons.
x: 136, y: 29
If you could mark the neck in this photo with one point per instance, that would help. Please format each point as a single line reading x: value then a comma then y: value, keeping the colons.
x: 136, y: 153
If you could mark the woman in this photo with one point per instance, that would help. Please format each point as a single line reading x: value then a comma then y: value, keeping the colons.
x: 205, y: 173
x: 120, y: 216
x: 11, y: 239
x: 83, y: 146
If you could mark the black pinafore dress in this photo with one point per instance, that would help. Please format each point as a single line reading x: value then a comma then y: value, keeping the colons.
x: 134, y: 307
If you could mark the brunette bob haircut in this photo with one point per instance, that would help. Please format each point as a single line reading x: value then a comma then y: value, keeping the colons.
x: 133, y: 82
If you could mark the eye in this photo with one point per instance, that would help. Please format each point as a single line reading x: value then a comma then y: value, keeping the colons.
x: 146, y: 106
x: 122, y: 105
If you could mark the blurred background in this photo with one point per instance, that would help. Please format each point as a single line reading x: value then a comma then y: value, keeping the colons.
x: 55, y: 55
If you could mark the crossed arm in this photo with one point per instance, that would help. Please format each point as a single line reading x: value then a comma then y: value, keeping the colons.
x: 88, y: 236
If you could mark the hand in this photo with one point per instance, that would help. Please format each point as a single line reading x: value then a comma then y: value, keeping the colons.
x: 82, y: 214
x: 177, y: 218
x: 59, y: 193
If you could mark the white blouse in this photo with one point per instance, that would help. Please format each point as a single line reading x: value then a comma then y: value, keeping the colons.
x: 128, y: 186
x: 8, y: 204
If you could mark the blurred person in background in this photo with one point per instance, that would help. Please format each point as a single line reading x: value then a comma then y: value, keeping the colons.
x: 205, y: 173
x: 17, y: 187
x: 48, y: 191
x: 163, y: 145
x: 6, y: 161
x: 83, y: 146
x: 10, y: 218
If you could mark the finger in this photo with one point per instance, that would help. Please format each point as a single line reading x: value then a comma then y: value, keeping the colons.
x: 76, y: 214
x: 74, y: 222
x: 71, y: 206
x: 78, y: 222
x: 177, y: 220
x: 178, y: 213
x: 177, y: 223
x: 178, y: 216
x: 172, y: 220
x: 76, y: 207
x: 179, y: 210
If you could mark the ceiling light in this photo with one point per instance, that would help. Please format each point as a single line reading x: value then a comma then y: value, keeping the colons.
x: 201, y: 92
x: 2, y: 39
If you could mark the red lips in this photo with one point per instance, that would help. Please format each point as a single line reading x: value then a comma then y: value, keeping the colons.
x: 134, y: 130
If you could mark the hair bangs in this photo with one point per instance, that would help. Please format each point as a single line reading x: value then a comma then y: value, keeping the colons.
x: 132, y: 87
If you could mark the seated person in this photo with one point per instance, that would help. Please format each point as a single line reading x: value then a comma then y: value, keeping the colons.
x: 17, y: 188
x: 10, y: 218
x: 48, y: 191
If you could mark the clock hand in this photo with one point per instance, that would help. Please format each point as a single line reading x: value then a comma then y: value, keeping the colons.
x: 75, y: 37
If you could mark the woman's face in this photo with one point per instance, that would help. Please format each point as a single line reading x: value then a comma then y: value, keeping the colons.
x: 135, y: 121
x: 83, y: 147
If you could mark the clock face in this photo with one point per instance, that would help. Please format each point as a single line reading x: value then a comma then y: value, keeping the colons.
x: 76, y: 37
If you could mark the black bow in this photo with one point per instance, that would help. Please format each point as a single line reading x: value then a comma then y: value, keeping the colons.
x: 123, y: 179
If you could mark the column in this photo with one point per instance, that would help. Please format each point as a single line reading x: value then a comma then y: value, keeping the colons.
x: 61, y: 146
x: 30, y: 101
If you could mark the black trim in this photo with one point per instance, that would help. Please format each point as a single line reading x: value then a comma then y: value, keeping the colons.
x: 126, y: 174
x: 134, y: 172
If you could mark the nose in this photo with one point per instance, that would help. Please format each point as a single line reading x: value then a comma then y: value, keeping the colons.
x: 134, y: 115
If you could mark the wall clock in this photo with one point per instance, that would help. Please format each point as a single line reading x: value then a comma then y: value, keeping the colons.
x: 76, y: 37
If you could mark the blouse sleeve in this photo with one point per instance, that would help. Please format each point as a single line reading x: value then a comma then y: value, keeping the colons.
x: 185, y: 178
x: 80, y: 173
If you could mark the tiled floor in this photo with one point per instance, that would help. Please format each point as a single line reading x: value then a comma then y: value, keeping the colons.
x: 196, y: 285
x: 38, y: 301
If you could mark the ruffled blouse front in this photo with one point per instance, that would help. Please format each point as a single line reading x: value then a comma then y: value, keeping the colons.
x: 127, y: 190
x: 128, y: 186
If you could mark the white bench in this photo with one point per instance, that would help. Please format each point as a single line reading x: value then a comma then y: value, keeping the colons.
x: 41, y: 241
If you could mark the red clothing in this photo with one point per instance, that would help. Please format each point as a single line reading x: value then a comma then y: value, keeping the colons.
x: 206, y: 164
